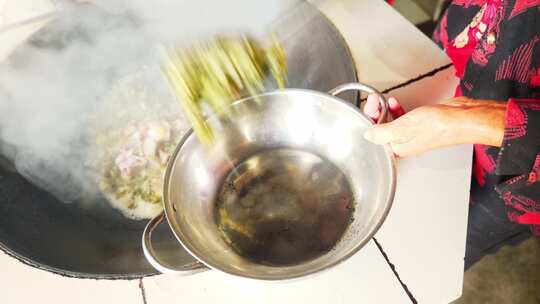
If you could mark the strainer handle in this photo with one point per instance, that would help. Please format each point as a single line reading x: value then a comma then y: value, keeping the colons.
x: 356, y: 86
x: 153, y: 258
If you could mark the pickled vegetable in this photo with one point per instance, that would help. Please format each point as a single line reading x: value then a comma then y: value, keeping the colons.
x: 213, y: 74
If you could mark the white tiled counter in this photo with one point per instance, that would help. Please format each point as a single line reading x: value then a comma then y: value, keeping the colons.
x: 23, y: 284
x: 423, y: 237
x: 364, y: 278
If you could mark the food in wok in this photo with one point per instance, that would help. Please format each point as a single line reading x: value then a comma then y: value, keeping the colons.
x: 132, y: 153
x: 209, y: 76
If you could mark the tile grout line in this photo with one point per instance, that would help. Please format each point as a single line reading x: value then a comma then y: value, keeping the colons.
x: 143, y: 291
x: 410, y: 81
x: 393, y: 267
x: 420, y: 77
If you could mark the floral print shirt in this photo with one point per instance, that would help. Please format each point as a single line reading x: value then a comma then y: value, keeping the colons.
x: 494, y: 46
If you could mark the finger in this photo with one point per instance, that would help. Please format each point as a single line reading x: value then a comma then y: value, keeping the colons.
x: 382, y: 134
x: 408, y: 149
x: 402, y: 150
x: 395, y: 108
x: 372, y: 108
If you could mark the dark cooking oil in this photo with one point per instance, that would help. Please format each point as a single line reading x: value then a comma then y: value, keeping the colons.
x: 284, y: 207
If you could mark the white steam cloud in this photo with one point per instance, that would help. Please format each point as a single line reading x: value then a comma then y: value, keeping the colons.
x: 50, y: 91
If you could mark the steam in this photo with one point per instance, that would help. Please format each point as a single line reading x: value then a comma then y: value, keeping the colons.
x: 50, y: 93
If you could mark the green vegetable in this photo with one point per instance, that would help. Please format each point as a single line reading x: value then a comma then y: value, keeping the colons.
x: 218, y: 72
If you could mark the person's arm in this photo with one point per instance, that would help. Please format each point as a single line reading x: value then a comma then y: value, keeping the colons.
x: 457, y: 121
x: 514, y: 126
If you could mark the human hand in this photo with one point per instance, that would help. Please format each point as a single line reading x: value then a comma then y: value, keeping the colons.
x: 372, y: 108
x: 457, y: 121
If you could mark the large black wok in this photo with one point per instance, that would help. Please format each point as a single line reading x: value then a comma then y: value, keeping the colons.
x: 92, y: 240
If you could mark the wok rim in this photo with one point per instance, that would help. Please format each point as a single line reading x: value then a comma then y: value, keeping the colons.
x: 73, y: 274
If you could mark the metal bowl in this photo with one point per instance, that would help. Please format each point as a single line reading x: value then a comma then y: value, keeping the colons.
x: 297, y: 132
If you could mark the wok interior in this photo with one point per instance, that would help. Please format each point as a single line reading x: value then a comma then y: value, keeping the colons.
x: 295, y: 119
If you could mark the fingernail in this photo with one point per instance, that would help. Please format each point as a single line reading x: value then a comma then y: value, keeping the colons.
x: 374, y: 115
x: 393, y: 103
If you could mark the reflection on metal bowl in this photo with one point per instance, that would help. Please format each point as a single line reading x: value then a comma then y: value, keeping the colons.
x: 271, y: 199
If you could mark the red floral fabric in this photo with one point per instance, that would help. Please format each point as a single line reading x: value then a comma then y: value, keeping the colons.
x: 494, y: 46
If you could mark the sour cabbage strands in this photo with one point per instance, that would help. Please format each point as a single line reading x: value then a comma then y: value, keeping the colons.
x: 134, y: 132
x: 210, y: 75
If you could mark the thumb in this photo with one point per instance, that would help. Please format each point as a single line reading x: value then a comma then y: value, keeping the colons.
x: 381, y: 134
